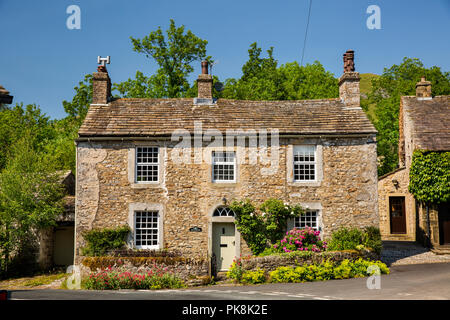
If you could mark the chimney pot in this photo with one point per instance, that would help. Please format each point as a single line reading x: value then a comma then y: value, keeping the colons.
x: 204, y: 83
x: 204, y: 67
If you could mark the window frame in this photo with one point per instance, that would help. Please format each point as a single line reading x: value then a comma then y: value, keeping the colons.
x: 214, y: 163
x: 157, y: 164
x: 221, y: 209
x: 317, y: 218
x: 294, y: 163
x: 158, y: 228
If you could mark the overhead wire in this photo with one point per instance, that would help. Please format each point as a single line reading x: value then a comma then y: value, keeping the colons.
x: 306, y: 31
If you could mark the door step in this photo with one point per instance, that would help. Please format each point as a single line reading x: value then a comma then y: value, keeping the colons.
x: 443, y: 249
x: 221, y: 275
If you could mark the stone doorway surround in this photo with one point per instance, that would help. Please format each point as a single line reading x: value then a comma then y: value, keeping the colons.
x: 212, y: 220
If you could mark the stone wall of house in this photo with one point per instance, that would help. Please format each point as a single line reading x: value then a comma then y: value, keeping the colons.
x: 346, y: 194
x: 45, y: 239
x: 396, y: 185
x: 428, y: 236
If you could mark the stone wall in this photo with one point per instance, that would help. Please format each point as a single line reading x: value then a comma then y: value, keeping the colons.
x: 192, y: 271
x: 387, y: 188
x: 429, y: 237
x: 346, y: 193
x: 349, y: 89
x: 45, y: 239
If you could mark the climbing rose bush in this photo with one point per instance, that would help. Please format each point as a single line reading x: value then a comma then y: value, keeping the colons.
x: 306, y: 239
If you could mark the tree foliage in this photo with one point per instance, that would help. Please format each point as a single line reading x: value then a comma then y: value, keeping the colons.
x: 30, y: 199
x: 174, y: 54
x: 79, y: 106
x: 430, y: 176
x: 396, y: 81
x: 262, y: 79
x: 19, y: 121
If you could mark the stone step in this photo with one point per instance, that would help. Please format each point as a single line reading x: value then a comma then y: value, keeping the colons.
x: 221, y: 276
x: 443, y: 249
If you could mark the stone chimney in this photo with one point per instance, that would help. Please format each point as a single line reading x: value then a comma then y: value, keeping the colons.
x: 4, y: 96
x: 101, y: 86
x: 349, y: 82
x: 423, y: 89
x: 204, y: 83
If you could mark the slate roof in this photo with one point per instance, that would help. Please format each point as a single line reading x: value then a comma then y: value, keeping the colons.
x: 430, y: 122
x: 160, y: 117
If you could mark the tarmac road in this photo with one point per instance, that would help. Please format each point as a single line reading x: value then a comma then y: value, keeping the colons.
x: 422, y: 282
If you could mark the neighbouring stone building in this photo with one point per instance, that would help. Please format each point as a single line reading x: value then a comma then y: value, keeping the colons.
x: 424, y: 124
x: 169, y: 167
x: 56, y: 243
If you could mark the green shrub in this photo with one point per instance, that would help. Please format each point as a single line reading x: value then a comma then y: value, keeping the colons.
x: 345, y: 239
x: 287, y: 274
x: 343, y: 270
x: 253, y: 277
x: 326, y: 271
x: 372, y: 239
x: 100, y: 241
x: 235, y: 273
x: 356, y: 239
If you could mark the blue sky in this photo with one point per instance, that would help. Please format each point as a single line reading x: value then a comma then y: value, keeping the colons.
x: 41, y: 60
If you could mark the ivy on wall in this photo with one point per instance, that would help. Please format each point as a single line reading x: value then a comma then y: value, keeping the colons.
x: 99, y: 241
x: 429, y: 179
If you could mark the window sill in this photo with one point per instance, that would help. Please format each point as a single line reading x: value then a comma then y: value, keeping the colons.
x: 147, y: 248
x: 305, y: 183
x: 223, y: 184
x: 145, y: 185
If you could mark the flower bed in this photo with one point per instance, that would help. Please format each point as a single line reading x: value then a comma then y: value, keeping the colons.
x: 325, y: 270
x: 296, y: 258
x: 109, y: 279
x: 191, y: 271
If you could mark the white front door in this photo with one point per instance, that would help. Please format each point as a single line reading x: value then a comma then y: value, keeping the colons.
x: 224, y: 244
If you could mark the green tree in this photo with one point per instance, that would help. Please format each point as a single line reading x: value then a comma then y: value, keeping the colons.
x: 174, y: 55
x: 399, y: 80
x: 60, y: 150
x: 79, y: 106
x: 308, y: 82
x: 30, y: 199
x: 262, y: 79
x: 15, y: 122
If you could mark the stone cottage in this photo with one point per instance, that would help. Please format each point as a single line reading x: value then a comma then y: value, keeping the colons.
x: 424, y: 124
x: 169, y: 167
